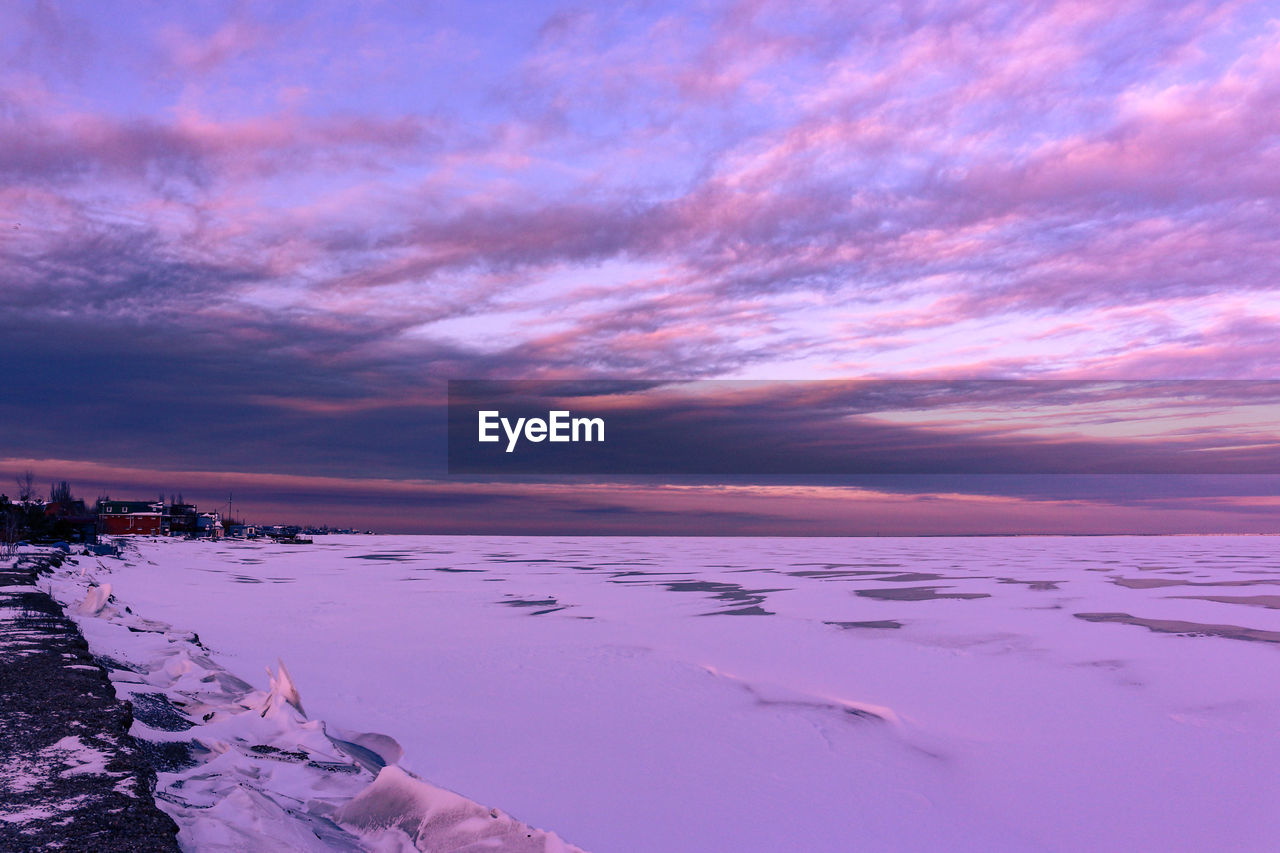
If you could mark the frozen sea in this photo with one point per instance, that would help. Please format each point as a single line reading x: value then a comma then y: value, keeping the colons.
x: 830, y: 694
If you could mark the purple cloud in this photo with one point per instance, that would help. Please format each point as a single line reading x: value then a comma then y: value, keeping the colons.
x: 375, y: 199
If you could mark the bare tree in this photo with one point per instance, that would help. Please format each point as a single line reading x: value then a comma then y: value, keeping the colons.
x: 10, y: 533
x: 26, y: 486
x: 61, y: 493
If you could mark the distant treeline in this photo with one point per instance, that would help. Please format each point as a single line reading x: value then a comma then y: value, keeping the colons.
x: 30, y: 518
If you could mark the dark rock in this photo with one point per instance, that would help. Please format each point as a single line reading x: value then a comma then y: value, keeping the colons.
x: 56, y: 703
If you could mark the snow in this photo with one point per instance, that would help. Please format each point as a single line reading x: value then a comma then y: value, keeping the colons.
x: 259, y: 774
x: 67, y: 757
x: 440, y: 820
x: 79, y: 757
x: 713, y: 694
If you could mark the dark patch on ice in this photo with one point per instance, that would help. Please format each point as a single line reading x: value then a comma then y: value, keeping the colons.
x: 853, y: 565
x: 914, y: 577
x: 1271, y: 602
x: 833, y: 574
x: 155, y: 710
x: 1188, y: 629
x: 1157, y: 583
x: 422, y: 550
x: 245, y: 579
x: 546, y: 605
x: 882, y: 575
x: 452, y: 570
x: 742, y: 611
x: 639, y: 573
x: 874, y: 623
x: 1035, y: 585
x: 385, y: 558
x: 917, y: 593
x: 746, y: 601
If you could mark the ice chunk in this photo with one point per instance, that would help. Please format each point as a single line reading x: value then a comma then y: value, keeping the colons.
x: 440, y: 820
x: 283, y: 692
x: 247, y: 819
x: 370, y: 750
x: 95, y: 600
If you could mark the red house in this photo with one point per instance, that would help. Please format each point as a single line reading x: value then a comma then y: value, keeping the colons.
x: 140, y: 518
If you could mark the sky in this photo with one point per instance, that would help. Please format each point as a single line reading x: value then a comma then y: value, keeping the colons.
x: 244, y: 246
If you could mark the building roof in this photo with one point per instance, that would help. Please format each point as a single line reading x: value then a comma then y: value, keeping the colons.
x: 129, y: 506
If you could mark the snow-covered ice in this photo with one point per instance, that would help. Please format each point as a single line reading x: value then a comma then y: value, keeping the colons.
x: 658, y: 694
x: 250, y: 771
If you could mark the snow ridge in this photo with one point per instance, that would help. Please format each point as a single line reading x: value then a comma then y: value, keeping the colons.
x: 243, y: 769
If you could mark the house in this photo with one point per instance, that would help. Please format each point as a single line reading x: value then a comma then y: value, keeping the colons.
x: 155, y: 518
x: 138, y: 518
x: 209, y: 524
x: 183, y: 520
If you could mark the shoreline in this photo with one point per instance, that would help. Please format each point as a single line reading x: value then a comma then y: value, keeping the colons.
x: 239, y: 768
x: 71, y: 774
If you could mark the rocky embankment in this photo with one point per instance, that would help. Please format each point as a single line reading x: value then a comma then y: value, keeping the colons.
x: 71, y: 777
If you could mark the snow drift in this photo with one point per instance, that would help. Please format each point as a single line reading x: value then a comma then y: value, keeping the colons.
x: 246, y: 770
